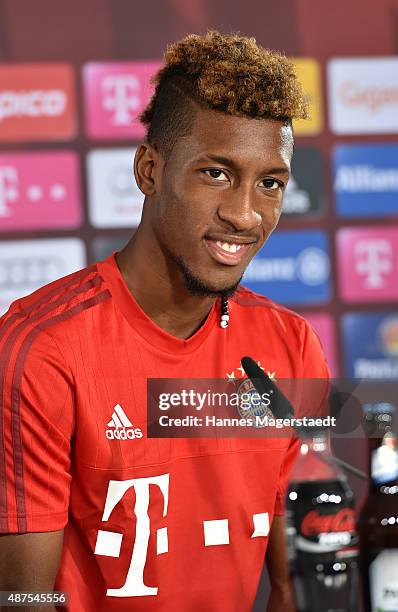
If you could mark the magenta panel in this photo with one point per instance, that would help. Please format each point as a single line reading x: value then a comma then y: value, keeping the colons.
x: 324, y: 326
x: 39, y: 191
x: 115, y: 95
x: 368, y: 263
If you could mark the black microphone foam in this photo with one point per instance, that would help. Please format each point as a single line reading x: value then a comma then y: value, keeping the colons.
x: 280, y: 405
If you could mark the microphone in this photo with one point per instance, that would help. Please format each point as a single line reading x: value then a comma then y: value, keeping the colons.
x: 280, y: 405
x: 282, y: 408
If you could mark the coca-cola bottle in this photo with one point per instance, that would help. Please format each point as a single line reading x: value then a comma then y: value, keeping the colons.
x: 321, y: 531
x: 378, y: 518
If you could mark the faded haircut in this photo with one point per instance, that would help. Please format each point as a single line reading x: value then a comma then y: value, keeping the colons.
x: 227, y: 73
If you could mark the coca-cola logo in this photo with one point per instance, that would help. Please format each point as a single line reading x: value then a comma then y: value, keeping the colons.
x: 314, y: 523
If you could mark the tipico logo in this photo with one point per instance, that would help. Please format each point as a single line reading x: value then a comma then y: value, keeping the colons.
x: 37, y: 102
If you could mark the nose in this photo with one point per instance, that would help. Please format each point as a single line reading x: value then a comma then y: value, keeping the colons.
x: 238, y: 210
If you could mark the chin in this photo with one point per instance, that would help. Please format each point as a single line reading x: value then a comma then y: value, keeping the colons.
x: 197, y: 284
x: 204, y: 286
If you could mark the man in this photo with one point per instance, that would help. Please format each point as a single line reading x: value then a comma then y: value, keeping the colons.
x: 123, y: 522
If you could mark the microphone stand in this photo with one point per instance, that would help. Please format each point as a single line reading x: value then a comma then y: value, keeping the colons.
x: 262, y: 383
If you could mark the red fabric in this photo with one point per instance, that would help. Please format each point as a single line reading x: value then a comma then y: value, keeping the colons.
x: 69, y: 354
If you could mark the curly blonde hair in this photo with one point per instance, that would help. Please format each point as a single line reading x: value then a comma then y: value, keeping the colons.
x: 227, y: 73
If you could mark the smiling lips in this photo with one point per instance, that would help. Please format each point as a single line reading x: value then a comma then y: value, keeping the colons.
x: 229, y: 253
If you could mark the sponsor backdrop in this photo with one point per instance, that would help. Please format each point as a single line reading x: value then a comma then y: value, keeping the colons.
x: 74, y: 77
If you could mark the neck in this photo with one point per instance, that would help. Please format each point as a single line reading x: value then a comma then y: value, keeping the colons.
x: 159, y: 289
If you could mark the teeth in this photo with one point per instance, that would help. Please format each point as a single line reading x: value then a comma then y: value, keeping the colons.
x: 228, y: 246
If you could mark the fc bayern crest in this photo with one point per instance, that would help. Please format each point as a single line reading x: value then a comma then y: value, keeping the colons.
x: 252, y: 404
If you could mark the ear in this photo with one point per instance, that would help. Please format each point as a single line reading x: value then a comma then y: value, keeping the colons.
x: 146, y: 166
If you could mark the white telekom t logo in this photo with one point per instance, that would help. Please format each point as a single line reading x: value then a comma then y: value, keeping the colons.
x: 108, y: 543
x: 215, y: 532
x: 121, y: 95
x: 8, y: 188
x: 373, y: 259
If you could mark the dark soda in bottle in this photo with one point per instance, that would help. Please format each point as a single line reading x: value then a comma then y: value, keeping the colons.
x: 378, y: 518
x: 321, y: 531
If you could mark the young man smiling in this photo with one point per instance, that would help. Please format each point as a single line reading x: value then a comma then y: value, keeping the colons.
x: 125, y: 522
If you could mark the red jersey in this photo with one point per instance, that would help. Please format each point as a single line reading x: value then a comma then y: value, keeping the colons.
x: 164, y: 524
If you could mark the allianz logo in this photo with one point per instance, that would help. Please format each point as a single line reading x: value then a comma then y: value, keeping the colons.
x: 311, y: 266
x: 366, y: 178
x: 120, y: 427
x: 277, y: 268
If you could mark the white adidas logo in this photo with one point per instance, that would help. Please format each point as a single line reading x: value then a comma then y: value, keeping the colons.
x: 120, y: 426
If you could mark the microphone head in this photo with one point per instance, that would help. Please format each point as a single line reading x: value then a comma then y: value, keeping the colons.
x: 251, y: 368
x: 280, y: 405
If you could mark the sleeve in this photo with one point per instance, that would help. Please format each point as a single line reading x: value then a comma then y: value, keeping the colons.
x: 315, y: 381
x: 314, y: 360
x: 36, y: 426
x: 315, y: 367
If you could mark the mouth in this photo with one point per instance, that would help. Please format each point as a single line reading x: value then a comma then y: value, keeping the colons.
x: 228, y: 252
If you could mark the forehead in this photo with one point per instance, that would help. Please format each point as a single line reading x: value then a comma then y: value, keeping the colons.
x: 246, y: 140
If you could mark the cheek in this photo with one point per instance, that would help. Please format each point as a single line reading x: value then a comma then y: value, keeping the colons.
x: 277, y: 212
x: 188, y: 207
x: 171, y: 208
x: 177, y: 220
x: 271, y: 214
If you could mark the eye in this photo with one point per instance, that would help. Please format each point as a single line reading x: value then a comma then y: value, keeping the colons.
x: 271, y: 183
x: 217, y: 174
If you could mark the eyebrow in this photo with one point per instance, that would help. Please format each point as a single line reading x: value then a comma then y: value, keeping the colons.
x: 227, y: 161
